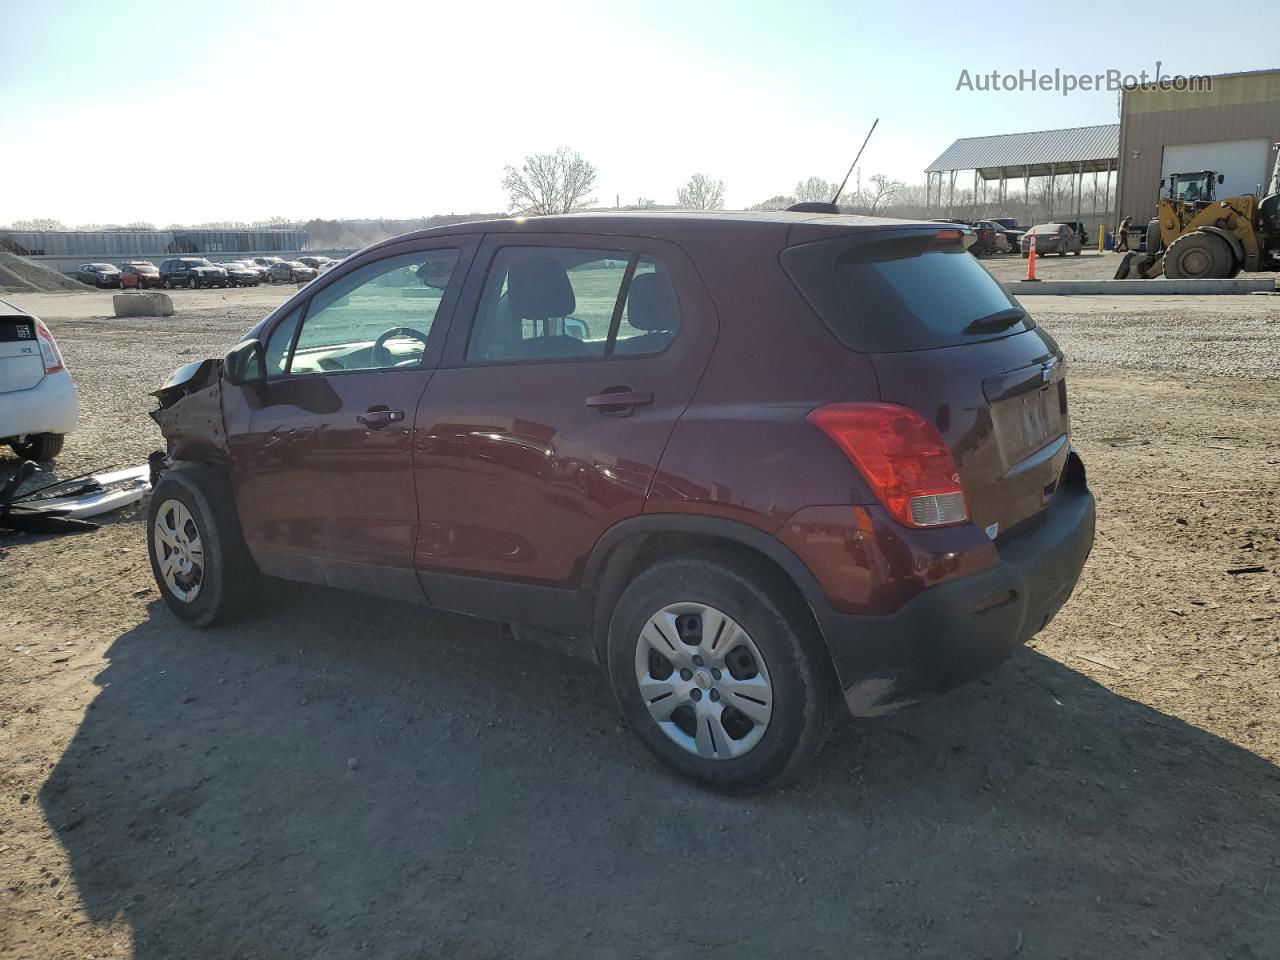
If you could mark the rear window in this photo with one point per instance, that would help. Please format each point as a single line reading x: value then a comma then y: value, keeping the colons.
x: 887, y: 295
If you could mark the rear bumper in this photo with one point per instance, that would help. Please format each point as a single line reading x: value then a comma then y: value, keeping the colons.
x: 48, y: 407
x: 956, y: 631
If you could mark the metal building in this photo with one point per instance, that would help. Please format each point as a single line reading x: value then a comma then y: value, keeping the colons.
x: 1076, y: 152
x: 1230, y: 125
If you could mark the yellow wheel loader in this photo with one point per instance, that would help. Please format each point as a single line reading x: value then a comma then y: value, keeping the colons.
x: 1196, y: 236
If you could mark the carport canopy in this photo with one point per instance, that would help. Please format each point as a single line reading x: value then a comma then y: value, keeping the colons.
x: 1072, y: 152
x: 1043, y: 153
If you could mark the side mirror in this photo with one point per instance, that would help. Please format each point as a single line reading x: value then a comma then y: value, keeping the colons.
x: 1221, y: 178
x: 577, y: 328
x: 245, y: 363
x: 1162, y: 183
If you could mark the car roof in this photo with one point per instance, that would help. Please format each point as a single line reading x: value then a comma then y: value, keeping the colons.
x: 675, y: 225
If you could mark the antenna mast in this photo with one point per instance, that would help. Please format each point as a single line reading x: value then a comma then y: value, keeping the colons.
x: 855, y: 161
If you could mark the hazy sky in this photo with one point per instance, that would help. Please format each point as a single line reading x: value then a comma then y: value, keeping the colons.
x: 188, y: 112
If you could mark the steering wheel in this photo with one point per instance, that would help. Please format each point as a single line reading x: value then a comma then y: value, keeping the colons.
x: 381, y: 356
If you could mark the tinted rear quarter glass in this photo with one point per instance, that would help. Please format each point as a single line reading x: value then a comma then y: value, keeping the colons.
x: 887, y: 294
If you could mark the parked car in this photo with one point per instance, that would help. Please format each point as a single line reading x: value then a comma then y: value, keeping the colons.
x: 266, y: 263
x: 606, y: 439
x: 1056, y: 238
x: 290, y: 271
x: 1080, y: 230
x: 1008, y: 233
x: 38, y: 402
x: 329, y: 265
x: 315, y: 263
x: 988, y: 238
x: 193, y: 272
x: 258, y: 269
x: 139, y: 274
x: 98, y: 275
x: 242, y: 274
x: 999, y: 237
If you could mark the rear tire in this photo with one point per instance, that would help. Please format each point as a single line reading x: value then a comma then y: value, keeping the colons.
x: 792, y: 692
x: 1198, y: 256
x: 40, y: 447
x: 205, y: 573
x: 1154, y: 238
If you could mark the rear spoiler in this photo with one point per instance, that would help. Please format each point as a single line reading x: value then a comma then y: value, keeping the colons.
x: 814, y: 231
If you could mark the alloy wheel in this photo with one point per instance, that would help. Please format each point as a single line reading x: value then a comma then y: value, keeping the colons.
x: 703, y: 681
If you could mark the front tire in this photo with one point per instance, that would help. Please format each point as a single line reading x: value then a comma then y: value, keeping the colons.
x: 40, y: 447
x: 198, y: 555
x: 720, y: 672
x: 1198, y: 256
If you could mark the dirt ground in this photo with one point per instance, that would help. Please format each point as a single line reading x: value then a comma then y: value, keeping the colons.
x: 1090, y: 265
x: 339, y: 777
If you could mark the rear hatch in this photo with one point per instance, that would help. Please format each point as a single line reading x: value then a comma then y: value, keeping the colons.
x: 946, y: 340
x: 21, y: 366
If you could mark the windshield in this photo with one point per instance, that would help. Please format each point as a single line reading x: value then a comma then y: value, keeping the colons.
x: 1190, y: 188
x: 908, y: 293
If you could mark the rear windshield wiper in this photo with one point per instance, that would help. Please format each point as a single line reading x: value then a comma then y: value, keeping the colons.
x: 995, y: 322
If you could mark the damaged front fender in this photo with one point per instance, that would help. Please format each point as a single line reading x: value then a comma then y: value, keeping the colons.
x: 190, y: 413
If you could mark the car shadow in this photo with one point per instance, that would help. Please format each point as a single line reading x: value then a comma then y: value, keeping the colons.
x: 339, y: 776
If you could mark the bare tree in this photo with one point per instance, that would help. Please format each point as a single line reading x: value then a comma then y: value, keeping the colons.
x: 644, y: 203
x: 274, y: 223
x: 701, y: 193
x: 881, y: 192
x: 779, y: 202
x: 139, y: 225
x: 815, y: 190
x: 550, y: 183
x: 37, y: 224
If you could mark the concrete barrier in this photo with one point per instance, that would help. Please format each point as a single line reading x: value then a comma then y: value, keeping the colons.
x: 1144, y: 288
x: 139, y: 304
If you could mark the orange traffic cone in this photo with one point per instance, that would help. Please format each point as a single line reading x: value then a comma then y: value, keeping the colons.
x: 1031, y: 260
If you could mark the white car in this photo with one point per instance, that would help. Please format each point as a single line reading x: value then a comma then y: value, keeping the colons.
x: 38, y: 401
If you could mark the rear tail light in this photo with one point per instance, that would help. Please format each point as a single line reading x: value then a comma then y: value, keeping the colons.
x: 48, y: 349
x: 902, y: 457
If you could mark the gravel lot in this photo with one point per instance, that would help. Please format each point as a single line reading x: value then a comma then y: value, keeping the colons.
x: 339, y: 776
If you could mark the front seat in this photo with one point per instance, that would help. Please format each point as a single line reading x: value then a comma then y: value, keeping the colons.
x: 653, y: 308
x: 538, y: 290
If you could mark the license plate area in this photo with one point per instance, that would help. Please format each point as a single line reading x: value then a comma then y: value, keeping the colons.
x: 1025, y: 423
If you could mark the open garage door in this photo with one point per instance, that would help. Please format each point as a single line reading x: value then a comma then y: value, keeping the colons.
x: 1243, y: 163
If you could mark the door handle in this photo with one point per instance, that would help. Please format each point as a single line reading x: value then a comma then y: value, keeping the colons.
x: 376, y: 418
x: 618, y: 401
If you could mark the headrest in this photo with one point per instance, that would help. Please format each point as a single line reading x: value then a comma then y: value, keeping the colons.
x: 538, y: 287
x: 652, y: 304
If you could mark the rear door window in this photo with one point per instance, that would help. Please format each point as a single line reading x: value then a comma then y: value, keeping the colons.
x: 556, y: 303
x: 913, y: 292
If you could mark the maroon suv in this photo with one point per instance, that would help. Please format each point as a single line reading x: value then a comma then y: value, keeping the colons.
x: 752, y: 465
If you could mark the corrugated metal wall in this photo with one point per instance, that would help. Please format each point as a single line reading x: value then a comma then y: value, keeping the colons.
x: 1238, y: 107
